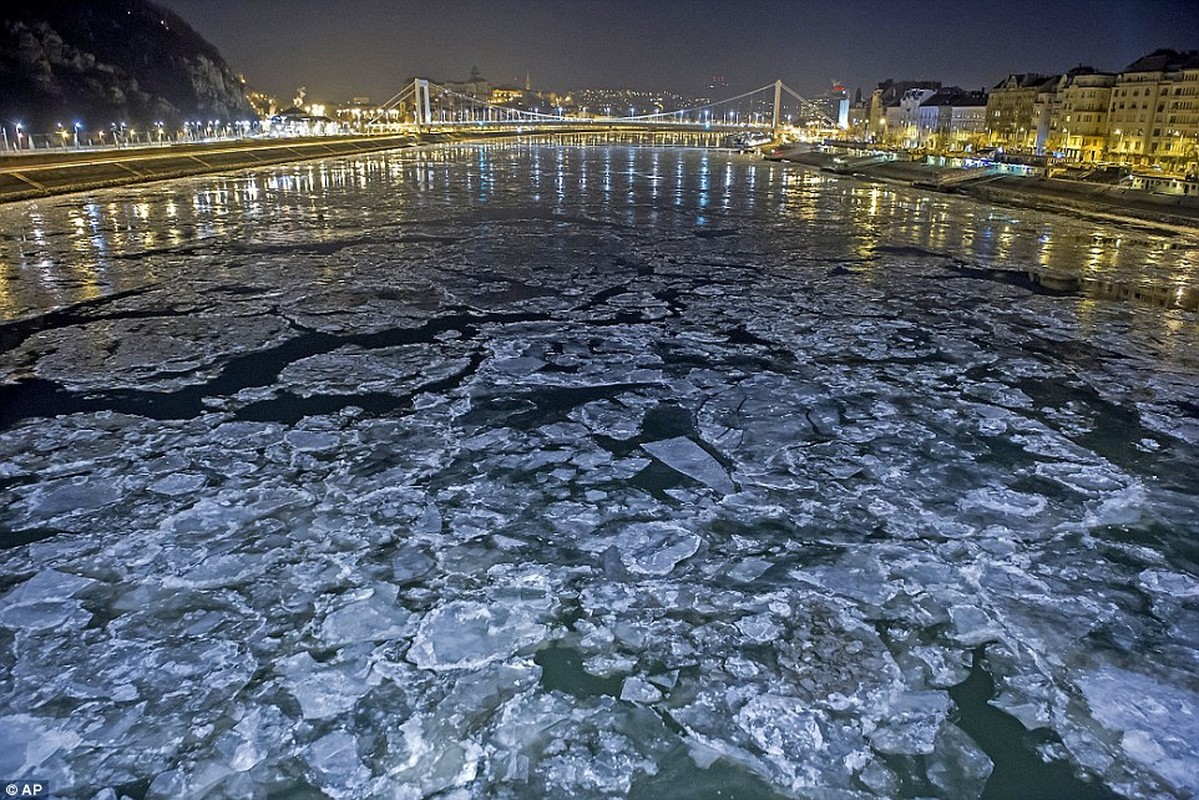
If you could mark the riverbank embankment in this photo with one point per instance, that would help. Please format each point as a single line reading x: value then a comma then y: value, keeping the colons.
x: 1104, y: 201
x: 31, y: 175
x: 44, y: 173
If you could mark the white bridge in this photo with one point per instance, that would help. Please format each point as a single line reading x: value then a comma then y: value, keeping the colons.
x: 772, y: 107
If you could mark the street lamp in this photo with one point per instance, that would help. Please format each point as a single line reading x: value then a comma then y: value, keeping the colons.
x: 18, y: 136
x: 76, y: 135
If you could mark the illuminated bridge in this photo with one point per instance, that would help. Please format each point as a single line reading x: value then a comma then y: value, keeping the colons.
x: 431, y: 106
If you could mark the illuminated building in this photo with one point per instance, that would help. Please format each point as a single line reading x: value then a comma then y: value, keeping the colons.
x: 507, y: 95
x: 886, y: 113
x: 1013, y: 113
x: 902, y: 119
x: 296, y: 121
x: 1079, y: 119
x: 951, y: 120
x: 859, y: 117
x: 834, y: 104
x: 1153, y: 118
x: 361, y: 115
x: 476, y: 86
x: 264, y: 104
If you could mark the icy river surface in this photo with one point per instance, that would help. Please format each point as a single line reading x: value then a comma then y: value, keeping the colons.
x: 536, y: 470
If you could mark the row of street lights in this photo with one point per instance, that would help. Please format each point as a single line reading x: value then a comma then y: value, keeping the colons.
x: 119, y: 134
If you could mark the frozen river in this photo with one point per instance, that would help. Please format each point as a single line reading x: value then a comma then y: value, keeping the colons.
x: 522, y: 470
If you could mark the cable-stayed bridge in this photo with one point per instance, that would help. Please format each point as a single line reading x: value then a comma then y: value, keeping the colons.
x: 430, y: 106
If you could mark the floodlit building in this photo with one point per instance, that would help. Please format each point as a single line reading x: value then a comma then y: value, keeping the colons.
x: 834, y: 104
x: 1079, y: 118
x: 264, y: 104
x: 952, y: 120
x: 859, y: 117
x: 902, y: 119
x: 360, y: 114
x: 886, y: 112
x: 1015, y: 107
x: 295, y: 121
x: 1153, y: 118
x: 507, y: 95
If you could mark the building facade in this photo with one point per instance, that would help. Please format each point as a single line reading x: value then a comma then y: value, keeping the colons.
x: 886, y: 112
x: 1154, y: 112
x: 1016, y: 113
x: 1079, y: 119
x: 952, y: 120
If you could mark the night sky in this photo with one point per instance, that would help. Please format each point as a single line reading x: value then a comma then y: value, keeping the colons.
x: 341, y: 48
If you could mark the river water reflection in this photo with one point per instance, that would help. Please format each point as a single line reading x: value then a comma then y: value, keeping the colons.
x: 571, y: 469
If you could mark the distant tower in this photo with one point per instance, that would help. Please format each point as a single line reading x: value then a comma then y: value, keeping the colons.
x: 840, y: 105
x: 528, y: 83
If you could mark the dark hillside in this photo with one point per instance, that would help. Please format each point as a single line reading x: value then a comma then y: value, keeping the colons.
x: 104, y: 61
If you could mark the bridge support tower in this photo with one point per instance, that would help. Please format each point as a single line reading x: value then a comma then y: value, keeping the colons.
x: 420, y: 97
x: 778, y: 102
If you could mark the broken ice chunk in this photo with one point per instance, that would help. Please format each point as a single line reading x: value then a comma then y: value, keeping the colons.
x: 759, y: 627
x: 781, y: 726
x: 972, y: 626
x: 636, y: 690
x: 749, y: 570
x: 313, y: 441
x: 178, y: 483
x: 43, y: 602
x: 49, y: 585
x: 30, y: 741
x: 373, y: 618
x: 1158, y: 722
x: 912, y: 724
x: 685, y: 456
x: 957, y: 766
x: 72, y: 495
x: 339, y: 769
x: 323, y: 691
x: 1004, y: 501
x: 609, y: 418
x: 467, y: 635
x: 655, y: 549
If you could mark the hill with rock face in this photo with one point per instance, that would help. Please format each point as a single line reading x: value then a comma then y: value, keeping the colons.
x: 102, y: 61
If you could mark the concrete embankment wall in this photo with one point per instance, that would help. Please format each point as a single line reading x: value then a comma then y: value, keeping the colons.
x: 39, y: 175
x: 1098, y: 200
x: 1047, y: 194
x: 49, y: 172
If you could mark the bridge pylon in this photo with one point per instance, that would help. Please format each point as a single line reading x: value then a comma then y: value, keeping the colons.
x: 420, y: 99
x: 778, y: 103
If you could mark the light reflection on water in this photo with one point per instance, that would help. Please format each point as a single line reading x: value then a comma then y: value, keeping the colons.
x: 60, y: 251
